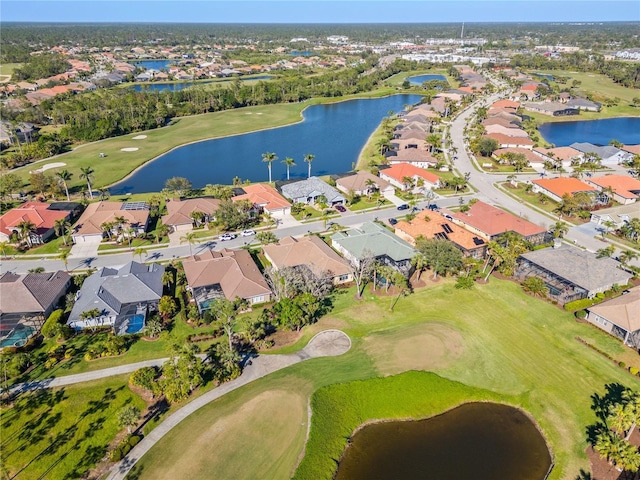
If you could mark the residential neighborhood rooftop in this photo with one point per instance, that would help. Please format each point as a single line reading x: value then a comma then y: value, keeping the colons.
x: 563, y: 185
x: 624, y: 310
x: 495, y: 221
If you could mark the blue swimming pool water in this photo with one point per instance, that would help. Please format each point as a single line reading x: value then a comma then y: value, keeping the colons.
x: 136, y: 323
x: 18, y: 337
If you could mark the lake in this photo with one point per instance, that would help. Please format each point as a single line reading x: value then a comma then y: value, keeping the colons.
x: 154, y: 64
x: 598, y: 132
x: 420, y: 79
x: 177, y: 86
x: 544, y: 75
x: 335, y: 133
x: 479, y: 441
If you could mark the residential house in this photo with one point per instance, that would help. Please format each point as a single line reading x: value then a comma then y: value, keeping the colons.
x: 308, y: 191
x: 556, y: 188
x: 122, y: 297
x: 490, y: 222
x: 632, y: 149
x: 180, y: 213
x: 26, y: 300
x: 554, y: 109
x: 625, y: 189
x: 430, y: 224
x: 618, y: 215
x: 420, y: 158
x: 92, y: 225
x: 505, y: 141
x: 619, y: 316
x: 22, y: 131
x: 529, y: 155
x: 364, y: 183
x: 309, y: 252
x: 506, y: 104
x: 509, y: 132
x: 398, y: 173
x: 372, y: 239
x: 583, y: 104
x: 565, y: 155
x: 571, y: 273
x: 609, y: 155
x: 43, y: 216
x: 265, y: 198
x: 229, y: 274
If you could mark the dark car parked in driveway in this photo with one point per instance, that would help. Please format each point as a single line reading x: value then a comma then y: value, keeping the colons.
x: 340, y: 208
x: 404, y: 206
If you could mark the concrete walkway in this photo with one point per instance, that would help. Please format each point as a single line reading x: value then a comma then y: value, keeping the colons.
x: 325, y: 344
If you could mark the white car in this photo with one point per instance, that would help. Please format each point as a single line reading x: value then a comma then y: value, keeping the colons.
x: 248, y: 233
x: 227, y: 236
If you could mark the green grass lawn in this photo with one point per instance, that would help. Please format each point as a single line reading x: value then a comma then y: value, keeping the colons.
x: 515, y: 348
x: 62, y: 433
x: 6, y: 69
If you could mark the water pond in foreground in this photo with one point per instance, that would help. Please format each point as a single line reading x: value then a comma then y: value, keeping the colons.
x: 420, y: 79
x: 479, y: 441
x: 597, y: 132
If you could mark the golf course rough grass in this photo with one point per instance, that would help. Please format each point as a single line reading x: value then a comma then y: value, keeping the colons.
x: 62, y: 433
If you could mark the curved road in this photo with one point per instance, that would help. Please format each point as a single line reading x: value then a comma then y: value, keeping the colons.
x: 327, y: 343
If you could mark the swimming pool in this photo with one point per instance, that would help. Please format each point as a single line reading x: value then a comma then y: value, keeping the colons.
x: 136, y: 324
x: 17, y: 337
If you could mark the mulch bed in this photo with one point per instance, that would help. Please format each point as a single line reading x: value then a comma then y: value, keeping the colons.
x: 602, y: 470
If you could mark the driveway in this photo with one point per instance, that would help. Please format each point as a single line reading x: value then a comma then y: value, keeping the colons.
x: 85, y: 249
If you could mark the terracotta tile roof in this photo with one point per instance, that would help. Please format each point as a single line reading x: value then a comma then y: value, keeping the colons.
x: 311, y: 251
x: 509, y: 132
x: 531, y: 157
x: 400, y: 170
x: 529, y: 88
x: 621, y: 184
x: 505, y: 104
x: 561, y: 153
x: 624, y: 310
x: 563, y: 185
x: 506, y: 140
x: 412, y: 155
x: 494, y: 221
x: 34, y: 212
x: 179, y: 211
x: 635, y: 149
x: 430, y: 225
x: 98, y: 213
x: 234, y: 270
x: 263, y: 195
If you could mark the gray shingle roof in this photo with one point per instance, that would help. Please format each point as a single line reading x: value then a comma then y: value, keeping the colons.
x: 579, y: 267
x: 311, y: 187
x: 109, y: 289
x: 376, y: 239
x: 604, y: 152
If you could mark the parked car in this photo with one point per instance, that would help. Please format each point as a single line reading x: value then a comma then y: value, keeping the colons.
x: 227, y: 236
x: 392, y: 221
x: 433, y: 207
x: 404, y: 206
x: 248, y: 233
x: 340, y: 208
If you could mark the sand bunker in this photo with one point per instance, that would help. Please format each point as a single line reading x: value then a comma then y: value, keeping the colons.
x: 139, y: 137
x: 129, y: 149
x: 49, y: 166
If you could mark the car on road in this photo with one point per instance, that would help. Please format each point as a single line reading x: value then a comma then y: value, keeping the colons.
x: 404, y: 206
x: 227, y: 236
x: 248, y: 233
x: 433, y: 207
x: 340, y: 208
x: 392, y: 221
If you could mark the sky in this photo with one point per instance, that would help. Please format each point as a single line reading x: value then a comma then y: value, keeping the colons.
x: 319, y: 11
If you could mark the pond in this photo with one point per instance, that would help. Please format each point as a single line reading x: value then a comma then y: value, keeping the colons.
x: 598, y: 132
x: 335, y: 133
x: 479, y: 441
x: 544, y: 75
x: 420, y: 79
x: 177, y: 86
x: 154, y: 64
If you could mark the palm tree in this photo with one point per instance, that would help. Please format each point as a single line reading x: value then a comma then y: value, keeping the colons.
x: 140, y: 251
x: 269, y: 158
x: 289, y: 162
x: 25, y: 229
x: 87, y: 174
x: 5, y: 249
x: 61, y: 228
x: 559, y: 229
x: 626, y: 256
x: 64, y: 256
x: 371, y: 187
x: 128, y: 417
x: 107, y: 227
x: 191, y: 238
x: 63, y: 177
x: 420, y: 263
x: 120, y: 223
x: 308, y: 158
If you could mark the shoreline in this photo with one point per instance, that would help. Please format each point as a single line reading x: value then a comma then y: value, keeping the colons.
x: 301, y: 120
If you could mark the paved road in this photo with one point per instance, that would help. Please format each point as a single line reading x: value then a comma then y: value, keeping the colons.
x: 324, y: 344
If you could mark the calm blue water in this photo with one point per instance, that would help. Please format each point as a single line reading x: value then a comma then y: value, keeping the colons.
x: 420, y: 79
x: 155, y: 64
x: 177, y: 86
x: 544, y: 75
x: 598, y: 132
x: 334, y: 133
x: 296, y: 53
